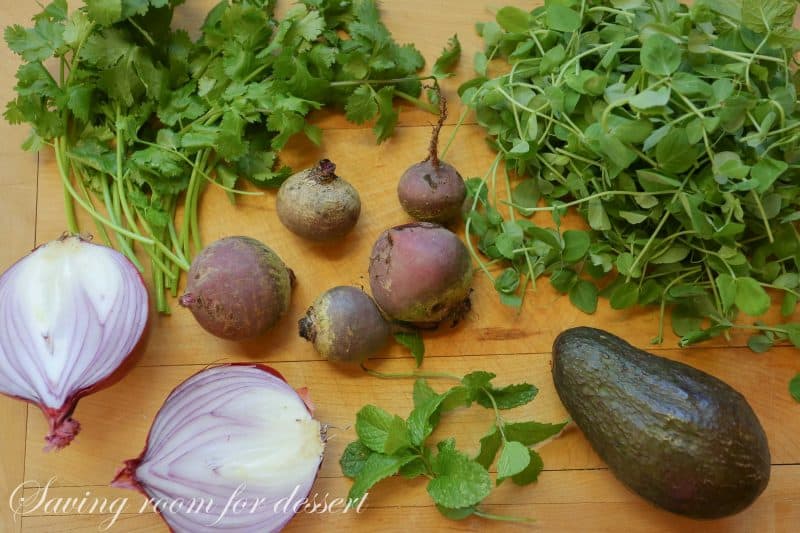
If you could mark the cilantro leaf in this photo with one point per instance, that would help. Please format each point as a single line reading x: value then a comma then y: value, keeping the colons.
x: 361, y: 105
x: 459, y: 481
x: 448, y: 59
x: 37, y: 43
x: 105, y: 12
x: 384, y: 128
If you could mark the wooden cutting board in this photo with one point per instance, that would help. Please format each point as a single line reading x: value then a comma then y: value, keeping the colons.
x: 575, y: 493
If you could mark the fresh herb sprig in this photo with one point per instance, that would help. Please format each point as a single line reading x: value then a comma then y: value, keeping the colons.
x: 141, y: 118
x: 674, y: 131
x: 388, y: 445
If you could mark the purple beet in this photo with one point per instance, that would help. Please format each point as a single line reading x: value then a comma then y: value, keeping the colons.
x: 432, y: 190
x: 238, y: 288
x: 421, y: 273
x: 345, y: 325
x: 317, y: 204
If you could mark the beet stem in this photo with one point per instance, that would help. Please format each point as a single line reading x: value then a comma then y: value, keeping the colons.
x: 306, y: 329
x: 326, y: 170
x: 433, y: 151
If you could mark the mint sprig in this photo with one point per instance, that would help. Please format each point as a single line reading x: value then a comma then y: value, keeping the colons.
x: 389, y: 445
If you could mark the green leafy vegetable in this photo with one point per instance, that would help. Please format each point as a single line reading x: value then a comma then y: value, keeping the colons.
x: 388, y: 445
x: 794, y: 387
x: 142, y: 118
x: 413, y: 341
x: 674, y: 131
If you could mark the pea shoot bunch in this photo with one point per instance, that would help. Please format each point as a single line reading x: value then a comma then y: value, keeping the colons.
x: 674, y: 131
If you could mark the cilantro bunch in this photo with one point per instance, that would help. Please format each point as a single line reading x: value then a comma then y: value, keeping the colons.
x: 388, y: 445
x: 142, y: 118
x: 674, y: 132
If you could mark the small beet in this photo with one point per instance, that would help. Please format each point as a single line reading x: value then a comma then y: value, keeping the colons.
x: 238, y: 288
x: 421, y: 273
x: 432, y: 190
x: 345, y: 325
x: 317, y: 204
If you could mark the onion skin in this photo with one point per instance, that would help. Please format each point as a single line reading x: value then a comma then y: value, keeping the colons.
x: 71, y: 314
x: 318, y: 205
x: 421, y: 273
x: 191, y: 449
x: 345, y: 325
x: 238, y: 288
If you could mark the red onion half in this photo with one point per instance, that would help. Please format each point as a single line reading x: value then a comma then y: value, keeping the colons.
x: 233, y: 448
x: 71, y: 312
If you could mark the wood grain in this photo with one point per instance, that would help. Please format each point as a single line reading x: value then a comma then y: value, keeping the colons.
x: 575, y: 493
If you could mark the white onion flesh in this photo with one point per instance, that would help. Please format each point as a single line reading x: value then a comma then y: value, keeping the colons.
x: 71, y: 312
x: 229, y: 433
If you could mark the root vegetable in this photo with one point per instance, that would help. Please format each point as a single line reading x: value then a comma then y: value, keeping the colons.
x: 238, y: 288
x: 231, y: 433
x: 432, y: 190
x: 421, y: 273
x: 317, y: 204
x: 345, y: 325
x: 71, y: 313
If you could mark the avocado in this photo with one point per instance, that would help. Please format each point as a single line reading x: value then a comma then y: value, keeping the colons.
x: 676, y: 436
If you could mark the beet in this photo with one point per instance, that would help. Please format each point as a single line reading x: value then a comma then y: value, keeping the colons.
x: 317, y: 204
x: 432, y: 190
x: 345, y: 325
x: 238, y: 288
x: 421, y: 273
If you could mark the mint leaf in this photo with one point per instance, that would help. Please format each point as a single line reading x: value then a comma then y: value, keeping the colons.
x: 509, y: 397
x: 456, y: 514
x: 459, y: 481
x: 531, y: 472
x: 514, y: 458
x: 448, y: 59
x: 353, y: 459
x: 490, y: 444
x: 530, y: 433
x: 380, y: 431
x: 377, y: 467
x: 423, y: 418
x: 412, y: 341
x: 423, y: 392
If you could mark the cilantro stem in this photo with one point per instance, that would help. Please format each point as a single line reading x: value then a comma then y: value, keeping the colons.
x: 503, y: 518
x: 409, y: 375
x: 141, y: 30
x: 121, y: 240
x: 69, y: 193
x: 202, y: 173
x: 393, y: 81
x: 417, y: 102
x: 81, y: 180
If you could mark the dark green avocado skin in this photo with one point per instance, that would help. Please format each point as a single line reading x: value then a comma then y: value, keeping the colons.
x: 677, y: 436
